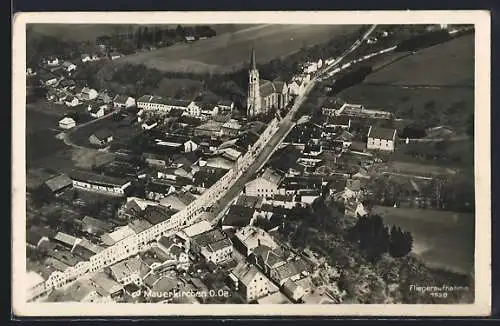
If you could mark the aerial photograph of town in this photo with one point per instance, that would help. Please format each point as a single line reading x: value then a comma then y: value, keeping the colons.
x: 250, y: 163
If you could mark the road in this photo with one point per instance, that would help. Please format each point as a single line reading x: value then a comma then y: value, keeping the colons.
x: 286, y: 126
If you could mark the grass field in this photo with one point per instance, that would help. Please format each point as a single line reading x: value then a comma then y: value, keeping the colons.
x: 447, y: 64
x: 443, y: 239
x: 229, y: 51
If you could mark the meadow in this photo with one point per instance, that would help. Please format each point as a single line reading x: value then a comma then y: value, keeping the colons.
x: 435, y: 85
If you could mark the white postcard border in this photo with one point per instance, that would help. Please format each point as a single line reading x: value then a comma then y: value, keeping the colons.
x: 481, y: 20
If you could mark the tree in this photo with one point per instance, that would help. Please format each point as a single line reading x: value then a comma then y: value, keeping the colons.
x: 400, y: 243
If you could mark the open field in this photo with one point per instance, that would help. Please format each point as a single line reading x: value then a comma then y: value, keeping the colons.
x: 229, y: 51
x: 89, y: 32
x: 450, y: 63
x: 443, y: 239
x: 434, y: 86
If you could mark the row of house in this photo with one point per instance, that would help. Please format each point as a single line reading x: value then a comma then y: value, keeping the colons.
x: 189, y: 107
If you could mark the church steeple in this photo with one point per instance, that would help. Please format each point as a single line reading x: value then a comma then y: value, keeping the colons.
x: 253, y: 95
x: 253, y: 65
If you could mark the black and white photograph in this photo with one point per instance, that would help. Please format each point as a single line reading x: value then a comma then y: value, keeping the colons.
x: 320, y: 163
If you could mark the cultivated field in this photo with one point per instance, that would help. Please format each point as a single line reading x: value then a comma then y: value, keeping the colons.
x: 443, y: 239
x: 229, y: 51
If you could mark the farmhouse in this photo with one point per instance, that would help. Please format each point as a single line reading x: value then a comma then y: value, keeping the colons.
x: 123, y: 101
x: 99, y: 183
x: 383, y: 139
x: 101, y: 137
x: 67, y: 123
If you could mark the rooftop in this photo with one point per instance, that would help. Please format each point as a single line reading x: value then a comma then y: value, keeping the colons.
x: 58, y: 182
x: 208, y: 237
x: 197, y: 228
x: 272, y: 176
x: 238, y: 215
x: 139, y: 225
x: 91, y: 177
x: 246, y: 273
x: 381, y: 133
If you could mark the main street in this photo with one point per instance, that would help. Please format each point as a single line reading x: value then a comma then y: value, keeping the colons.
x: 286, y: 126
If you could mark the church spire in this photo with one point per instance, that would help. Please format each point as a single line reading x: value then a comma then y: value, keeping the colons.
x: 253, y: 65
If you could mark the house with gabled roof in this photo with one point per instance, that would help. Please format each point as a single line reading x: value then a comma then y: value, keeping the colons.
x: 383, y: 139
x: 251, y: 283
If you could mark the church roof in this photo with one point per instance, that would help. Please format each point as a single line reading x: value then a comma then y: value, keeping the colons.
x: 266, y: 88
x: 279, y: 85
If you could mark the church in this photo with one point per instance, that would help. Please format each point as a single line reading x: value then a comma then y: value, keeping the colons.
x: 263, y: 95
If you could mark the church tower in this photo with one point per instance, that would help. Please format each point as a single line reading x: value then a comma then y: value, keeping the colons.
x: 253, y: 96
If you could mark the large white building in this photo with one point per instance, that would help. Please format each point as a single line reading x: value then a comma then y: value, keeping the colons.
x: 383, y: 139
x: 161, y: 104
x: 265, y: 185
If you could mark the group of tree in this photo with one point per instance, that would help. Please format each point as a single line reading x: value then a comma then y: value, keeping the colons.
x: 374, y: 238
x: 155, y: 35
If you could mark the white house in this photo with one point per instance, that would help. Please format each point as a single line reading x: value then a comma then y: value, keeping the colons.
x: 218, y: 252
x: 68, y: 66
x: 71, y: 101
x: 383, y: 139
x: 67, y: 123
x: 123, y: 101
x: 97, y: 111
x: 251, y: 283
x: 115, y: 55
x: 193, y: 110
x: 99, y: 183
x: 53, y: 61
x: 85, y: 57
x: 190, y: 146
x: 265, y: 185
